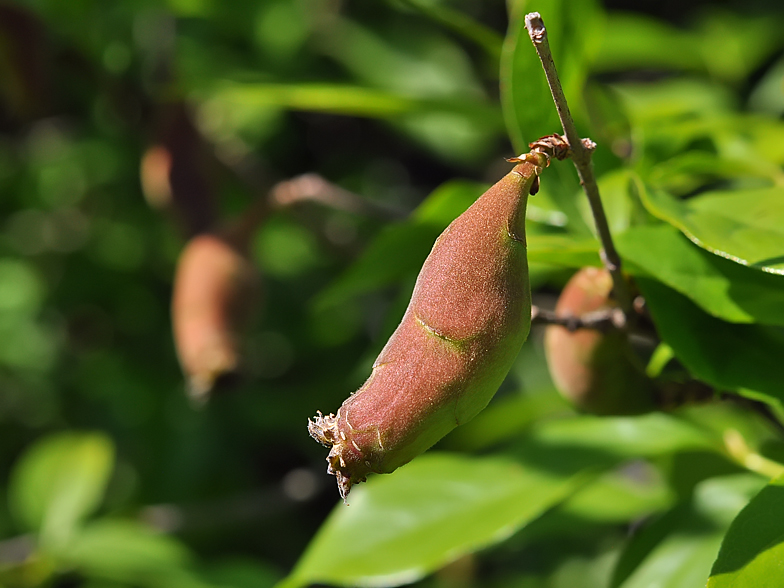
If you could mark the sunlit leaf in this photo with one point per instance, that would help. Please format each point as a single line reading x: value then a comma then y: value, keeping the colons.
x: 753, y: 548
x: 626, y: 437
x: 721, y: 287
x: 398, y: 528
x: 746, y: 226
x: 677, y: 550
x: 59, y: 481
x: 715, y: 351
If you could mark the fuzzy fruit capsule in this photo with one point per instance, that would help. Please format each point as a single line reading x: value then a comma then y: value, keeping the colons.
x: 469, y: 314
x: 215, y: 291
x: 596, y: 371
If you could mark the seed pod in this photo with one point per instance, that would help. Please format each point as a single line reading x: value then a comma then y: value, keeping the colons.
x: 215, y: 292
x: 469, y: 314
x: 595, y: 371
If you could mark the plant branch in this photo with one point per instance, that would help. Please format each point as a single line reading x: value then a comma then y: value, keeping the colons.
x: 600, y: 320
x: 581, y: 156
x: 314, y: 188
x: 740, y: 452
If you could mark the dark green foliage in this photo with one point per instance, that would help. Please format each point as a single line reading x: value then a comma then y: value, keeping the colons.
x: 112, y: 478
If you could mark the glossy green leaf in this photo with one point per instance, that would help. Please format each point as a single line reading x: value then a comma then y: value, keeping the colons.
x: 746, y: 226
x: 398, y: 528
x: 626, y: 437
x: 752, y: 552
x: 59, y: 481
x: 719, y: 353
x: 719, y: 286
x: 689, y: 172
x: 677, y: 550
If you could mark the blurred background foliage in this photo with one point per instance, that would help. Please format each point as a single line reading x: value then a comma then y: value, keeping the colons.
x: 114, y: 479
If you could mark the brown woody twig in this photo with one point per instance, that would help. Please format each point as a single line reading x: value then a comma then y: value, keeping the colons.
x: 600, y: 320
x: 580, y: 151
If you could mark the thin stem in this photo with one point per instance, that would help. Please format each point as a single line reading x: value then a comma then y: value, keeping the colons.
x: 314, y: 188
x: 600, y: 320
x: 740, y: 452
x: 581, y: 156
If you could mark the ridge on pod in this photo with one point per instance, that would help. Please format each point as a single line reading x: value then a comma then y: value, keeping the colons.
x: 469, y: 315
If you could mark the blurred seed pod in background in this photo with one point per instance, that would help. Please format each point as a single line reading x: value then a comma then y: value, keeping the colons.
x: 596, y: 371
x: 217, y: 291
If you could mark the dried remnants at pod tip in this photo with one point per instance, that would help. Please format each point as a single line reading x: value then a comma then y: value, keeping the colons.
x: 469, y: 314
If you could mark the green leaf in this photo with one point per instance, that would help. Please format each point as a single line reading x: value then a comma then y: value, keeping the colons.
x: 753, y: 548
x: 719, y: 286
x: 504, y: 418
x: 688, y: 102
x: 676, y: 551
x: 341, y: 99
x: 635, y: 41
x: 129, y: 552
x: 398, y: 528
x: 621, y: 495
x: 746, y: 226
x: 626, y: 437
x: 737, y: 357
x: 564, y: 250
x: 58, y: 482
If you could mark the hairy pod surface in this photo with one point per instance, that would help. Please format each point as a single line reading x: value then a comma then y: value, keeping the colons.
x: 215, y: 292
x: 469, y: 314
x: 595, y: 371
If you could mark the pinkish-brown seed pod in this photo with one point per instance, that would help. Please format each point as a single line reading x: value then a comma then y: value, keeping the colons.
x: 216, y: 289
x: 469, y: 314
x: 597, y: 372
